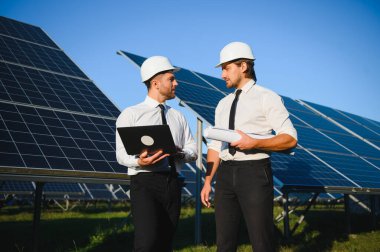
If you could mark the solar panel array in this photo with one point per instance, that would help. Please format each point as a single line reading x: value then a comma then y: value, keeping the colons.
x: 54, y: 121
x: 327, y: 156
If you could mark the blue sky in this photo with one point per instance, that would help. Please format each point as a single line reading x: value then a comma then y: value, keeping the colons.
x: 321, y: 51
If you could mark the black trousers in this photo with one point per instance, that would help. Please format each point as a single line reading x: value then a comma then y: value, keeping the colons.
x: 156, y: 206
x: 244, y: 188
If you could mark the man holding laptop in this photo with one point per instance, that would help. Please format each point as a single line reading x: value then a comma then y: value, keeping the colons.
x: 155, y: 189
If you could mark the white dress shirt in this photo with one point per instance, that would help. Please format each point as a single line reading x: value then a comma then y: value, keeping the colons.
x: 149, y: 113
x: 259, y: 111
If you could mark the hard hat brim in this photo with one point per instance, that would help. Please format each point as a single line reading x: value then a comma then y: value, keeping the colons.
x: 230, y: 61
x: 174, y: 69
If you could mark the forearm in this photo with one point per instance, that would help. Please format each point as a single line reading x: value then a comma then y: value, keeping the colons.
x: 213, y: 161
x: 277, y: 143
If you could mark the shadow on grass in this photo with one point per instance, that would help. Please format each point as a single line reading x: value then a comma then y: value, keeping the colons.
x: 55, y: 235
x: 323, y: 228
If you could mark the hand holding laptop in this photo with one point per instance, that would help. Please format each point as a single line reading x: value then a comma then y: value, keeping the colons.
x: 146, y: 158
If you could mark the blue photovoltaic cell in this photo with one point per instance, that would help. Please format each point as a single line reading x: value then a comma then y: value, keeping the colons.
x: 376, y: 123
x: 310, y: 139
x: 25, y: 85
x: 194, y: 94
x: 26, y: 187
x: 99, y: 191
x: 42, y: 138
x: 303, y: 169
x: 369, y: 124
x: 315, y: 134
x: 356, y: 127
x: 62, y: 188
x: 17, y: 187
x: 45, y: 58
x: 218, y: 83
x: 24, y: 31
x: 331, y: 130
x: 354, y: 168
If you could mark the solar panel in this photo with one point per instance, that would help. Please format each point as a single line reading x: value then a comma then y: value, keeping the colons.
x: 314, y: 164
x: 47, y: 89
x: 49, y: 189
x: 15, y: 29
x: 341, y: 151
x: 351, y: 143
x: 99, y: 191
x: 57, y: 188
x: 54, y: 121
x: 16, y: 187
x: 357, y: 124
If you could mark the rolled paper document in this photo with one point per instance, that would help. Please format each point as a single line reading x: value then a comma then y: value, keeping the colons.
x: 229, y: 136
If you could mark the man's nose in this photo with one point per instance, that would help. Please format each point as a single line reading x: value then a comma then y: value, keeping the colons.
x: 224, y: 75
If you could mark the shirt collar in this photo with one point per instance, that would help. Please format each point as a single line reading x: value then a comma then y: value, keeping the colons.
x: 152, y: 102
x: 247, y: 86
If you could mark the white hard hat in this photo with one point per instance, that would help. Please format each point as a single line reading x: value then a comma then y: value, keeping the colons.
x: 155, y: 65
x: 234, y: 51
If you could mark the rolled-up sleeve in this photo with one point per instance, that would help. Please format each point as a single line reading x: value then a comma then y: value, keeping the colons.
x: 277, y: 115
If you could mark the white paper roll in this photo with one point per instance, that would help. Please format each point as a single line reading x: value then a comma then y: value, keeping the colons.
x: 229, y: 136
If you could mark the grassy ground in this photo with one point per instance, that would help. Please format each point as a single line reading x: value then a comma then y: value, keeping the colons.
x: 95, y: 228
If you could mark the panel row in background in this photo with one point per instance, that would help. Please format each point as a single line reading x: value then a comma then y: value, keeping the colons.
x: 327, y: 155
x: 91, y: 191
x: 85, y: 191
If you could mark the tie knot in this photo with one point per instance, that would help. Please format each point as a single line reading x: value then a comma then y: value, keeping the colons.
x: 238, y: 92
x: 162, y: 107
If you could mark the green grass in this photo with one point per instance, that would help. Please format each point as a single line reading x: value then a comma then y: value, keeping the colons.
x: 96, y: 228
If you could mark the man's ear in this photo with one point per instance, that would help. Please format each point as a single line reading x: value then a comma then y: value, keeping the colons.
x: 154, y: 83
x: 244, y: 66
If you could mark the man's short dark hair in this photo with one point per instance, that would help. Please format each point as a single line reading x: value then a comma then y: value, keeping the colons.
x: 250, y: 73
x: 147, y: 82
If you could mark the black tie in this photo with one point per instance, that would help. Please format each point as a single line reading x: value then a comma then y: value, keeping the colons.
x: 231, y: 124
x: 173, y: 170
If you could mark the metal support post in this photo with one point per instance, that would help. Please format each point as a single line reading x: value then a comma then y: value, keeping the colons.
x: 302, y: 217
x: 286, y: 215
x: 198, y: 184
x: 373, y: 211
x: 347, y: 213
x: 37, y: 215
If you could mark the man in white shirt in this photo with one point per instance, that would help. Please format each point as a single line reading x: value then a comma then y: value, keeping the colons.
x: 155, y: 188
x: 244, y: 182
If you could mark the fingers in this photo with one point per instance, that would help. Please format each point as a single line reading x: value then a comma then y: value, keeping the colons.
x: 144, y: 154
x: 149, y: 160
x: 160, y: 158
x: 205, y: 199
